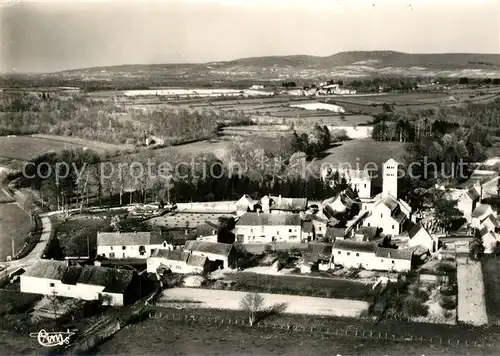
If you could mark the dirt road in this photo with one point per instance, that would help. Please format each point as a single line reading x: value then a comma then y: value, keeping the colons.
x: 220, y: 299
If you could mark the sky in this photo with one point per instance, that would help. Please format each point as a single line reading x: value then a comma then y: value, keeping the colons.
x: 42, y: 36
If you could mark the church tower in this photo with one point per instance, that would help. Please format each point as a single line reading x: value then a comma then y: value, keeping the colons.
x: 390, y: 178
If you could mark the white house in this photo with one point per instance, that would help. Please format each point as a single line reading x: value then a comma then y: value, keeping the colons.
x: 389, y: 214
x: 281, y: 205
x: 245, y: 204
x: 177, y: 261
x: 467, y: 200
x: 122, y: 245
x: 49, y: 277
x: 369, y: 256
x: 266, y: 228
x: 358, y: 179
x: 419, y: 236
x: 318, y: 255
x: 218, y: 253
x: 480, y: 213
x: 490, y: 239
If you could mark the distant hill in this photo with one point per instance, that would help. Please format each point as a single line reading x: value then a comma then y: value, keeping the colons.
x: 353, y: 63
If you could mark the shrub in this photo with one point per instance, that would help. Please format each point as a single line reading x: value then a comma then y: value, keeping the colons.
x: 449, y: 291
x: 419, y: 294
x: 448, y: 303
x: 446, y: 267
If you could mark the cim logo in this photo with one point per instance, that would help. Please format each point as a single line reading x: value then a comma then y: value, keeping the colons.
x: 50, y: 339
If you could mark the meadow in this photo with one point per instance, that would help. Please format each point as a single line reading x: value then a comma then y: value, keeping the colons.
x: 15, y: 225
x: 491, y: 276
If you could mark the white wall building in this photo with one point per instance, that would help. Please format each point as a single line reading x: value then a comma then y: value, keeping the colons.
x: 389, y: 214
x: 390, y: 178
x: 215, y: 252
x: 123, y: 245
x: 369, y: 256
x: 266, y: 228
x: 49, y: 277
x: 419, y: 236
x: 177, y: 261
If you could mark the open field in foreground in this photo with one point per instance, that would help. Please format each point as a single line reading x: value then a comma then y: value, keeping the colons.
x: 192, y: 338
x: 491, y: 275
x: 219, y: 299
x: 14, y: 224
x: 471, y: 307
x: 300, y: 285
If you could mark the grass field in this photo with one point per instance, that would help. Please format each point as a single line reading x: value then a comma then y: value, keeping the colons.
x: 200, y: 339
x: 364, y: 153
x: 491, y: 276
x: 14, y: 224
x: 24, y: 148
x: 298, y: 285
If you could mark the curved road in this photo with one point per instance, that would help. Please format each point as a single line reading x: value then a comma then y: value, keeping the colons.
x: 36, y: 253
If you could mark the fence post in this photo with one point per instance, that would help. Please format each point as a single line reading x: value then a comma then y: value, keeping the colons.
x: 356, y: 333
x: 312, y: 329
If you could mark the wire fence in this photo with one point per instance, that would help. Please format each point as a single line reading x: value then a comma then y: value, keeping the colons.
x: 345, y: 332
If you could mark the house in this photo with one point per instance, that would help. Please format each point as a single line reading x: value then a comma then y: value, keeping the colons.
x: 267, y: 227
x: 370, y: 256
x: 367, y: 233
x: 317, y: 256
x: 127, y: 245
x: 177, y: 261
x: 334, y: 233
x: 359, y: 180
x: 307, y: 231
x: 419, y: 236
x: 280, y: 205
x: 176, y: 238
x: 490, y: 222
x: 389, y: 214
x: 490, y: 239
x: 467, y: 199
x: 321, y: 223
x: 221, y: 255
x: 246, y: 204
x: 480, y: 213
x: 58, y: 278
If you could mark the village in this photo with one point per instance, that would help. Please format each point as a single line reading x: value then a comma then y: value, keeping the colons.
x: 370, y: 239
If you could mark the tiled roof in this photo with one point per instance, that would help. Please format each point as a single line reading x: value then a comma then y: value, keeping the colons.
x: 491, y: 218
x: 197, y: 261
x: 413, y: 229
x: 209, y: 247
x: 172, y: 255
x: 335, y: 232
x: 72, y: 274
x: 394, y: 253
x: 123, y: 238
x: 288, y: 204
x: 177, y: 236
x: 398, y: 215
x: 47, y: 269
x: 389, y: 201
x: 114, y: 280
x: 347, y: 245
x: 318, y: 250
x: 369, y: 232
x: 473, y: 193
x: 265, y: 219
x: 480, y: 210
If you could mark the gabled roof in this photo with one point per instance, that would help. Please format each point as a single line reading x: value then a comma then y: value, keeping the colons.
x: 72, y: 274
x: 113, y: 279
x: 388, y: 201
x: 391, y: 161
x: 265, y: 219
x: 246, y: 201
x: 473, y: 193
x: 481, y: 209
x: 413, y: 229
x: 492, y: 219
x: 318, y: 250
x: 287, y: 204
x: 177, y: 236
x: 197, y: 261
x: 172, y: 255
x: 47, y: 269
x: 355, y: 246
x: 394, y: 253
x: 332, y: 232
x: 398, y: 215
x: 369, y: 232
x: 216, y: 248
x: 123, y: 238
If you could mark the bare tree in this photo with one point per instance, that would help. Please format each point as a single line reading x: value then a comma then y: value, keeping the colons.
x: 55, y: 303
x: 252, y: 303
